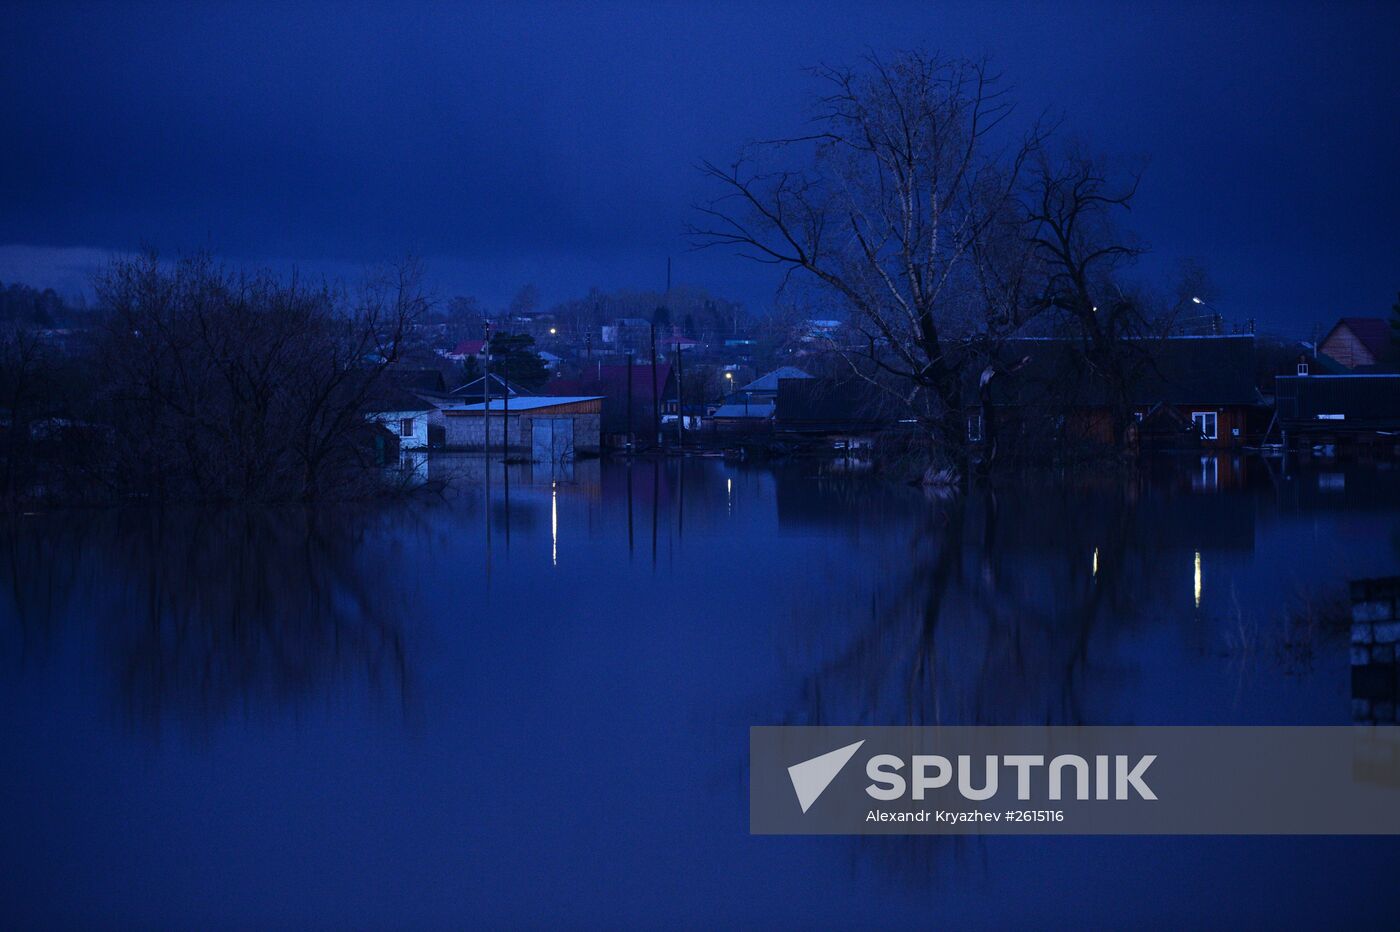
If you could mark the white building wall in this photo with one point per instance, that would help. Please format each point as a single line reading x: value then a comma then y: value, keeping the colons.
x: 415, y: 440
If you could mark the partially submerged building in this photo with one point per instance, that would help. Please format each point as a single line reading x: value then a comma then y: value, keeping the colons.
x: 547, y: 428
x: 1361, y: 408
x: 403, y: 413
x: 849, y: 413
x: 1185, y: 392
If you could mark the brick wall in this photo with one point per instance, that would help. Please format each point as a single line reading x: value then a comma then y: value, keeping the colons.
x: 1375, y: 636
x: 468, y: 432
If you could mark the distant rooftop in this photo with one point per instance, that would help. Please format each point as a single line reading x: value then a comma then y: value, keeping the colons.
x: 769, y: 382
x: 755, y: 409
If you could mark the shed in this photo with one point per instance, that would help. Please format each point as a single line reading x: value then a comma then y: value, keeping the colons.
x: 551, y: 428
x: 1339, y: 404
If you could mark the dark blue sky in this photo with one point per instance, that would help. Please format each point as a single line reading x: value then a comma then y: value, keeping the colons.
x: 539, y: 142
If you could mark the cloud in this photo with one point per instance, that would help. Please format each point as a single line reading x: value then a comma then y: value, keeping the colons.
x: 66, y: 269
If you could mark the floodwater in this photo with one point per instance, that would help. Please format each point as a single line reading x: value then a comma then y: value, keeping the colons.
x: 530, y: 705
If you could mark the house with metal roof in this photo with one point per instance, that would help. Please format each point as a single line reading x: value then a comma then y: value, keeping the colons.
x: 765, y: 387
x: 547, y: 428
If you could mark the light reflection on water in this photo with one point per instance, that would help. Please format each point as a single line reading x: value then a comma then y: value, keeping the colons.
x: 530, y: 703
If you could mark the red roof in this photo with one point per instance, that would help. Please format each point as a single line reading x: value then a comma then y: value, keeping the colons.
x: 468, y: 348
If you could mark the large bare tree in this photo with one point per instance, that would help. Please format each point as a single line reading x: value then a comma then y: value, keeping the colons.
x: 895, y: 206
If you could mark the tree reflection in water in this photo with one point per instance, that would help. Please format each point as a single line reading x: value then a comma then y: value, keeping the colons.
x: 1004, y: 608
x: 203, y: 615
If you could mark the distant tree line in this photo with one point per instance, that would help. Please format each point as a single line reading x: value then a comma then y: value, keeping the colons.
x: 23, y: 305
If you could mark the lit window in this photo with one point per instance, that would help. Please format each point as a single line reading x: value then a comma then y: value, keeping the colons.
x: 1205, y: 423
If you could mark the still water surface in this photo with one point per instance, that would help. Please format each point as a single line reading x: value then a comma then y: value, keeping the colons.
x: 531, y: 705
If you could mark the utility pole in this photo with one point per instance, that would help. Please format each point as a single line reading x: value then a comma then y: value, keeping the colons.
x: 486, y: 363
x: 505, y: 430
x: 630, y: 434
x: 655, y: 404
x: 680, y: 399
x: 486, y: 432
x: 486, y: 394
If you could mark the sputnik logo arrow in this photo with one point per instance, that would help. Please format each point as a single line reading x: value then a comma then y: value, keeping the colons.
x: 811, y: 777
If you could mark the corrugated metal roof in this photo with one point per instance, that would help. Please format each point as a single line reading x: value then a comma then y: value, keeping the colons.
x: 529, y: 403
x: 769, y: 382
x: 751, y: 410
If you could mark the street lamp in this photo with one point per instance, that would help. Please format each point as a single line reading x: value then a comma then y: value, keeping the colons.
x: 552, y: 331
x: 1216, y: 319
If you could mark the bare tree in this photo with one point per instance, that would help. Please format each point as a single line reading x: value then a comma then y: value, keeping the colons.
x: 889, y: 207
x: 27, y: 387
x: 232, y: 386
x: 1070, y: 209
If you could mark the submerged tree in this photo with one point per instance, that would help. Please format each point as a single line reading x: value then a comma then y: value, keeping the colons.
x: 895, y: 207
x: 1070, y: 208
x: 245, y: 387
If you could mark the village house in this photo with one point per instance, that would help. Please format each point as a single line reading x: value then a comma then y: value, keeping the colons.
x: 846, y: 414
x: 752, y: 406
x: 1361, y: 343
x: 404, y: 414
x: 466, y: 349
x: 1185, y: 392
x: 547, y: 428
